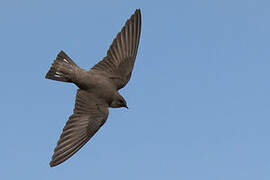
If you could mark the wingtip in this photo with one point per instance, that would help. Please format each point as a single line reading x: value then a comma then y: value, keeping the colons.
x: 138, y: 11
x: 52, y: 164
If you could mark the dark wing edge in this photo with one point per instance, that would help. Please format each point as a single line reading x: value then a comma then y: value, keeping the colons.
x: 88, y: 116
x: 122, y: 53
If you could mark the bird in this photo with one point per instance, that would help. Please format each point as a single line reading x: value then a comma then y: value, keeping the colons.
x: 97, y: 88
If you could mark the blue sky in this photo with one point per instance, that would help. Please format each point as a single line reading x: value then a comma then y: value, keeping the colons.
x: 199, y: 95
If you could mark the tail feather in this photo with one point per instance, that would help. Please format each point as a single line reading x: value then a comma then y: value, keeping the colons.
x: 62, y: 68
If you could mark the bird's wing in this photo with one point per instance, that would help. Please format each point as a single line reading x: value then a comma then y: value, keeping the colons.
x: 119, y: 62
x: 89, y: 114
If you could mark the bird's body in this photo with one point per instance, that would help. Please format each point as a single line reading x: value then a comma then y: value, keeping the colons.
x: 98, y: 88
x: 96, y: 83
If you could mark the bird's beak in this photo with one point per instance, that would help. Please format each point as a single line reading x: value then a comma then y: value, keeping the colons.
x: 126, y: 107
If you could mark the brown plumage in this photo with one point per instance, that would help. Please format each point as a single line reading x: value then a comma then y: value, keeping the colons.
x: 98, y: 88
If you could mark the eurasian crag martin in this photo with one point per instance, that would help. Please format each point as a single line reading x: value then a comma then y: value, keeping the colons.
x: 98, y: 88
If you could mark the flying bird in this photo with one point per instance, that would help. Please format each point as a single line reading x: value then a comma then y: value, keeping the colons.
x: 97, y: 88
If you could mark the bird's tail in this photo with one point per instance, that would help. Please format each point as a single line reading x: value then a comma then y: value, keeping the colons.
x: 62, y: 68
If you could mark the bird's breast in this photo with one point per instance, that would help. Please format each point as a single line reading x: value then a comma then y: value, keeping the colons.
x: 102, y: 87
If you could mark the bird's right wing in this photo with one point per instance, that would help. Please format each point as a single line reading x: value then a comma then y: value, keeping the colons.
x: 89, y: 114
x: 120, y: 59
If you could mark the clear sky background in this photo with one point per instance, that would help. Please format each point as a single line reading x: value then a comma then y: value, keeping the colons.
x: 199, y: 95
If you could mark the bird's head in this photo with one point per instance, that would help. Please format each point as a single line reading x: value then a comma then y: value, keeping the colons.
x: 118, y: 101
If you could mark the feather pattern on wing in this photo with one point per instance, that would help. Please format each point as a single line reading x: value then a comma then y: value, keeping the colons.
x: 119, y: 62
x: 88, y: 116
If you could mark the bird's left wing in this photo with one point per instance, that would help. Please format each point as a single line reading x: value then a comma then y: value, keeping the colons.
x: 89, y: 114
